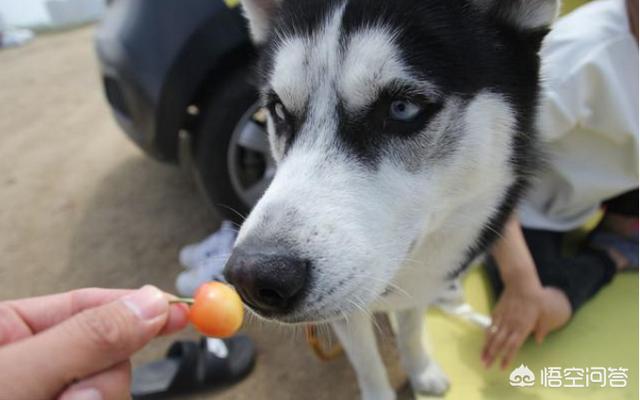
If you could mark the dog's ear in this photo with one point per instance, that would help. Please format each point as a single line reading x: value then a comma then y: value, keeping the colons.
x: 522, y: 14
x: 260, y: 14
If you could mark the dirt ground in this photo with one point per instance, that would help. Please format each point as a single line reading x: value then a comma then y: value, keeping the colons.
x: 81, y: 206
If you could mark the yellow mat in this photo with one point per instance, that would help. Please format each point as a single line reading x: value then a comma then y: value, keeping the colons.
x: 603, y: 333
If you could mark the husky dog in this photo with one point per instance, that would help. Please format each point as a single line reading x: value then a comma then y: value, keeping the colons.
x: 404, y: 133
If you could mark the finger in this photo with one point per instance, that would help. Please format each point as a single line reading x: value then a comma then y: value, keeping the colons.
x: 12, y: 326
x: 177, y: 320
x: 23, y: 318
x: 40, y: 313
x: 91, y: 341
x: 112, y: 384
x: 494, y: 346
x: 496, y: 323
x: 542, y: 330
x: 490, y: 334
x: 511, y: 347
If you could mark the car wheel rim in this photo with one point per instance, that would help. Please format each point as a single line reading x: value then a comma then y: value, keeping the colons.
x: 251, y: 167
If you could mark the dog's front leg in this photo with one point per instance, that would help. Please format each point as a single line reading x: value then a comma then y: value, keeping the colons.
x: 359, y: 342
x: 425, y: 374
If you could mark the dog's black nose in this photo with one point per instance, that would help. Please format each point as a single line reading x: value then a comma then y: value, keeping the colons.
x: 267, y: 282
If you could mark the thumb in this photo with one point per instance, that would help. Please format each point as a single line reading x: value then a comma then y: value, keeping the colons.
x: 91, y: 341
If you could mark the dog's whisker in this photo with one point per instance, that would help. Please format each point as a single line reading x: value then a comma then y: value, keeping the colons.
x: 238, y: 213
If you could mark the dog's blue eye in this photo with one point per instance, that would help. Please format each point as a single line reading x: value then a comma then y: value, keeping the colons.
x: 403, y: 110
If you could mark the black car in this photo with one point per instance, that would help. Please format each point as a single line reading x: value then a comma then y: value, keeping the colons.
x: 177, y: 76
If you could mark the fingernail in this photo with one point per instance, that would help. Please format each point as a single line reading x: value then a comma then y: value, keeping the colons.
x: 83, y: 394
x: 147, y: 303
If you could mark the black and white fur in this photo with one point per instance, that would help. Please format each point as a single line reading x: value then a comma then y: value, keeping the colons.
x: 386, y: 211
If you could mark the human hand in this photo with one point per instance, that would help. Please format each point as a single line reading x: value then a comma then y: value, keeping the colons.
x: 515, y: 316
x: 77, y: 345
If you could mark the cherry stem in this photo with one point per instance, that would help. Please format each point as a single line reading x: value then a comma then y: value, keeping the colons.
x: 183, y: 300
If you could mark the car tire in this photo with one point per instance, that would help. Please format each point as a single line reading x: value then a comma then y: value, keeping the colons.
x: 223, y: 166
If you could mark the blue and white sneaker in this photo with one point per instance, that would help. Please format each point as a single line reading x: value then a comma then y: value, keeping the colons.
x: 221, y: 241
x: 205, y: 261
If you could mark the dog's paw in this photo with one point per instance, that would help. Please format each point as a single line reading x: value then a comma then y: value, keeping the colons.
x: 431, y: 380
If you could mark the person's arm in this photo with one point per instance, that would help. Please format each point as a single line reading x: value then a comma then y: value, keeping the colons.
x: 78, y: 343
x: 520, y: 305
x: 515, y: 262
